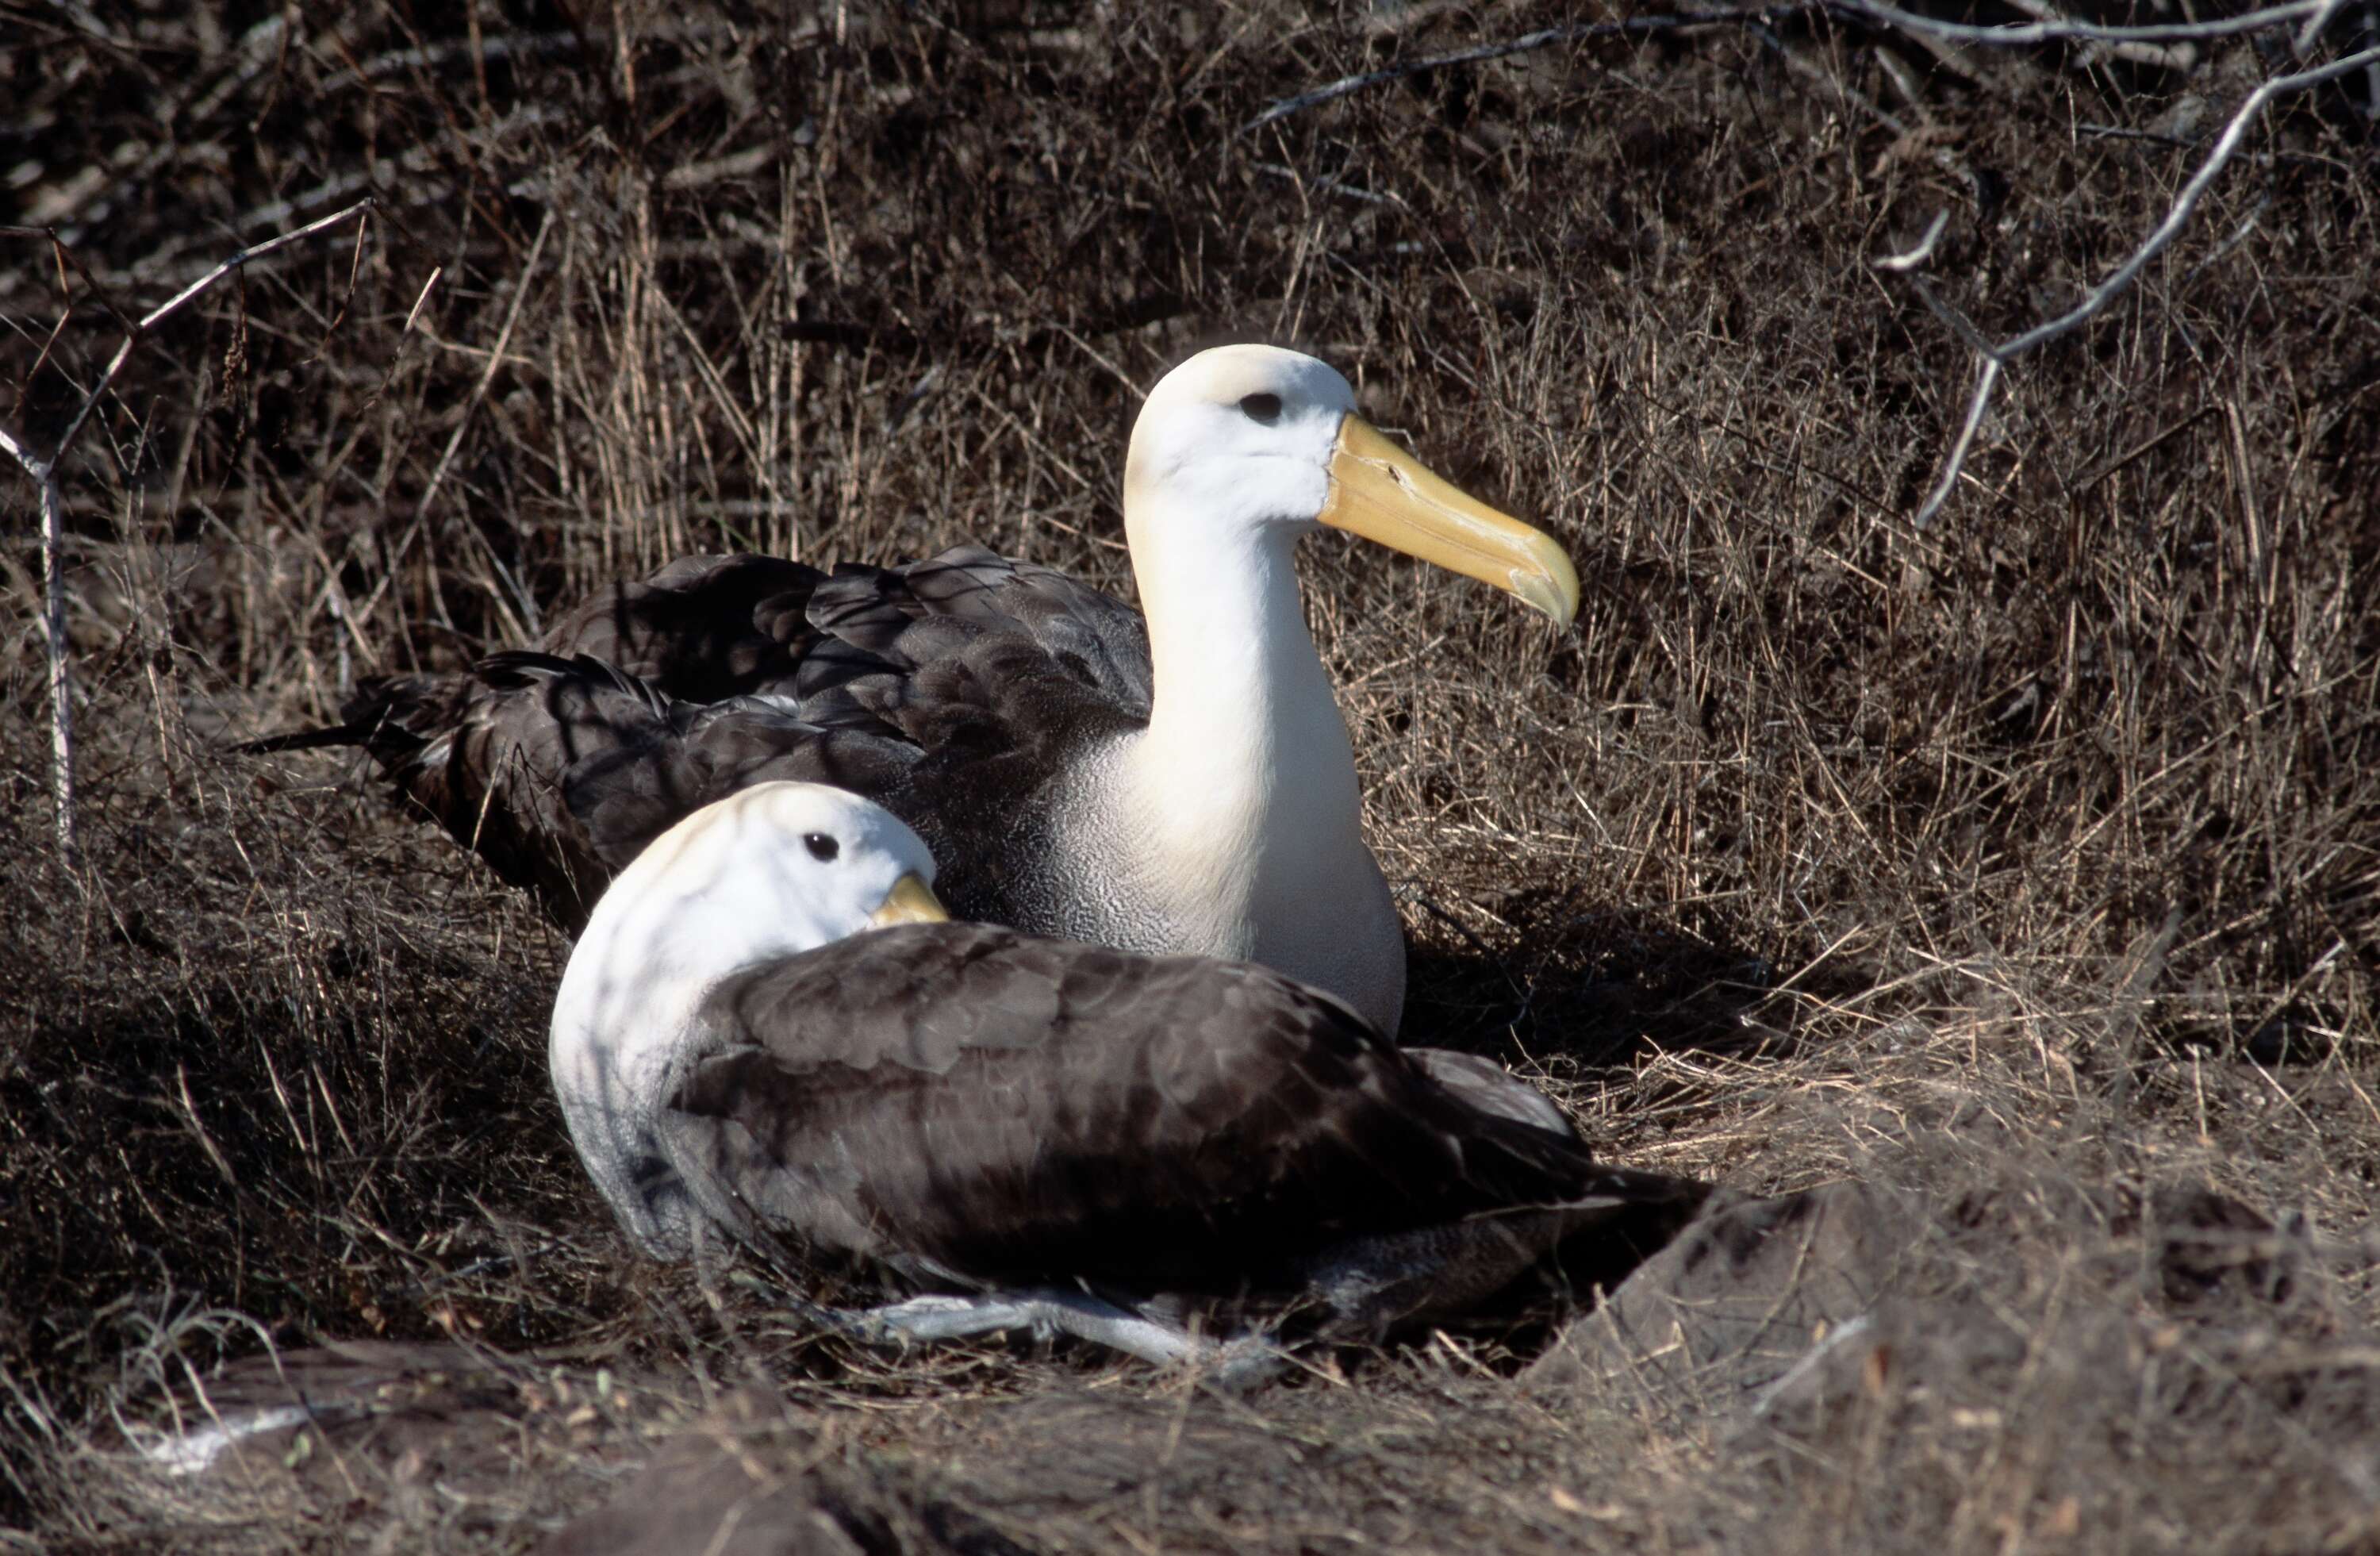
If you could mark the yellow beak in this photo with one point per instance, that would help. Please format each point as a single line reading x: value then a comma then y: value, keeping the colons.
x: 1381, y: 492
x: 911, y: 901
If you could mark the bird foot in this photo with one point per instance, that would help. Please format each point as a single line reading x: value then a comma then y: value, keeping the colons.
x: 1241, y: 1362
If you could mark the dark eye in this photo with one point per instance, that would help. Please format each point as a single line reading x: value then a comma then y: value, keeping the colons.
x: 1261, y: 407
x: 823, y: 847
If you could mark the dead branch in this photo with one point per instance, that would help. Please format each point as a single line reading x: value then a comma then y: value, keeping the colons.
x: 1986, y: 379
x: 525, y: 621
x: 54, y: 635
x: 44, y: 473
x: 1918, y: 253
x: 2053, y: 28
x: 2142, y: 43
x: 2097, y: 300
x: 2157, y: 56
x: 2315, y: 23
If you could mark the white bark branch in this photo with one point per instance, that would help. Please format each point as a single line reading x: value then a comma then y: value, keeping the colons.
x: 2098, y: 300
x: 2142, y: 43
x: 44, y: 472
x: 53, y: 638
x: 1918, y: 253
x: 2057, y: 29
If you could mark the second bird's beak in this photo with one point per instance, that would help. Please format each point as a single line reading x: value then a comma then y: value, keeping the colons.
x: 911, y: 901
x: 1381, y: 492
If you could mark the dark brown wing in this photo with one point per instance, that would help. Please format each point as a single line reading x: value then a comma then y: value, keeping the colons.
x: 889, y: 623
x: 559, y: 771
x: 485, y: 754
x: 1018, y: 1109
x: 953, y: 691
x: 702, y: 629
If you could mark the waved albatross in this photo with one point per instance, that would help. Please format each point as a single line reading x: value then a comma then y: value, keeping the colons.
x: 1185, y: 785
x: 769, y: 1027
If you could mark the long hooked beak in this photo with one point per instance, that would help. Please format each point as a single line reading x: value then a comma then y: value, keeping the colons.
x: 1381, y: 492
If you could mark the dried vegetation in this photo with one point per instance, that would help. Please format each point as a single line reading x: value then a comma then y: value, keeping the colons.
x: 2024, y: 864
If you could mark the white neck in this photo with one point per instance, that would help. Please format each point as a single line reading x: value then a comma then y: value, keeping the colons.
x: 1244, y: 782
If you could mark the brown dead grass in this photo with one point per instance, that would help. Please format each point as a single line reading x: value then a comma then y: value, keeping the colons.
x: 2029, y: 862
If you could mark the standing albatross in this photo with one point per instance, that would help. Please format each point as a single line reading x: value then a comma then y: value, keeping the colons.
x: 1181, y: 785
x: 769, y: 1028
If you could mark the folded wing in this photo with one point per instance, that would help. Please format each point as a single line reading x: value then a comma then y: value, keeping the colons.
x: 954, y: 691
x: 964, y: 1102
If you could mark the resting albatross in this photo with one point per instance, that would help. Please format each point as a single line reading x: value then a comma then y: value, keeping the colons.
x: 1185, y: 786
x: 769, y: 1027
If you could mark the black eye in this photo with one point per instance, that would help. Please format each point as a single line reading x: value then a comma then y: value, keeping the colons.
x: 1262, y: 407
x: 823, y: 847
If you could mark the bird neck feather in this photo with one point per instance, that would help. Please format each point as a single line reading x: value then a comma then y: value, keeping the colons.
x: 1244, y: 781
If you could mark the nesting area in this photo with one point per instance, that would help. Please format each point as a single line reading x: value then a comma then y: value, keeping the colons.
x: 1979, y: 882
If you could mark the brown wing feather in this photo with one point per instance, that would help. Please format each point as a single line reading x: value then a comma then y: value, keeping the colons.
x: 485, y: 756
x: 702, y: 629
x: 557, y: 772
x: 956, y: 691
x: 1013, y: 1110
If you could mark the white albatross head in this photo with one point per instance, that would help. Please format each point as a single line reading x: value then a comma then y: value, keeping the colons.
x: 1254, y: 437
x: 769, y: 872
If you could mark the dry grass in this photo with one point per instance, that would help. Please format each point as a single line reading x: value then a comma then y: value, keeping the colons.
x: 2027, y: 864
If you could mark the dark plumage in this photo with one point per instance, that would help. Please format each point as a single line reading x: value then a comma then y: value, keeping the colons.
x: 975, y: 1110
x: 1180, y: 780
x: 966, y: 1103
x: 953, y: 691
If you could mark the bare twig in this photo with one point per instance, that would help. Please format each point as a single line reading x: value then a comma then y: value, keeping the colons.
x: 172, y: 304
x: 2185, y: 204
x: 1919, y: 252
x: 1961, y: 325
x: 1976, y: 406
x: 487, y: 375
x: 2314, y: 24
x: 54, y: 635
x: 44, y: 472
x: 2096, y: 301
x: 2024, y: 34
x: 2157, y: 56
x: 524, y: 621
x: 2140, y: 44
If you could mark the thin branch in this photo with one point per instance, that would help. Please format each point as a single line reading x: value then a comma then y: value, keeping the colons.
x: 2134, y: 43
x: 54, y: 635
x: 1961, y: 325
x: 487, y: 375
x: 67, y: 260
x: 523, y: 621
x: 2130, y: 42
x: 2315, y: 23
x: 44, y: 472
x: 2185, y: 204
x: 2099, y: 297
x: 1911, y: 258
x: 2024, y: 34
x: 172, y: 305
x: 2157, y: 56
x: 1958, y: 458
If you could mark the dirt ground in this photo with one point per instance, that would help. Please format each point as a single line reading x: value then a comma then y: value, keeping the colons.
x: 1988, y: 897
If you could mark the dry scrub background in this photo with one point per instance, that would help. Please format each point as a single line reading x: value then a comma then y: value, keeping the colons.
x: 2029, y: 861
